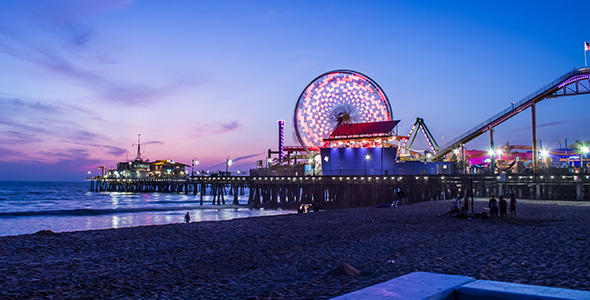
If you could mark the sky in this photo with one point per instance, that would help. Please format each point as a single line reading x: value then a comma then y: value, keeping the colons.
x: 208, y: 80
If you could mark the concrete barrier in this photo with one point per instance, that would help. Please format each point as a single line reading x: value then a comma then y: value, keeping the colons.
x: 488, y: 290
x: 417, y: 285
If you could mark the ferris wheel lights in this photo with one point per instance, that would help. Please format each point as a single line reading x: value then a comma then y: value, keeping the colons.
x: 336, y: 97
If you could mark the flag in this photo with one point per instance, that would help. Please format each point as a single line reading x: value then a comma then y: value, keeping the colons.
x: 586, y: 46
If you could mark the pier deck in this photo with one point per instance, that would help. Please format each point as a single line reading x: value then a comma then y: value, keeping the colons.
x: 324, y: 192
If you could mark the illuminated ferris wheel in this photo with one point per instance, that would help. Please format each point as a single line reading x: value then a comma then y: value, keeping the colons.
x: 336, y: 97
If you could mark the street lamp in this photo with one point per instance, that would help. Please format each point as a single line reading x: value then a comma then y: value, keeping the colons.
x: 194, y: 161
x: 544, y: 155
x: 499, y: 152
x: 367, y: 157
x: 227, y: 164
x: 456, y: 157
x: 585, y: 150
x: 492, y: 155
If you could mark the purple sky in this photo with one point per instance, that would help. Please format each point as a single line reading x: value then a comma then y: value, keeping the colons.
x: 210, y: 79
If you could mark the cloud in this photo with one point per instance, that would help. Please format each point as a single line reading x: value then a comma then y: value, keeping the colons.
x: 64, y: 29
x: 17, y: 138
x: 552, y: 124
x: 4, y: 152
x: 36, y: 118
x: 69, y: 165
x: 207, y: 129
x: 248, y: 156
x: 18, y: 103
x: 237, y: 159
x: 230, y: 126
x: 114, y: 150
x: 27, y: 125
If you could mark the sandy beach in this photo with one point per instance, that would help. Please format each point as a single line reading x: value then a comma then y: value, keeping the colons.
x: 298, y: 256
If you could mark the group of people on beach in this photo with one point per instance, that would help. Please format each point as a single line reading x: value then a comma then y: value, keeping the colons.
x: 460, y: 208
x: 501, y: 206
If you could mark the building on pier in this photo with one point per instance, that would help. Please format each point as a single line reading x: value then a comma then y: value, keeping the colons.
x: 139, y: 169
x: 168, y: 169
x: 363, y: 148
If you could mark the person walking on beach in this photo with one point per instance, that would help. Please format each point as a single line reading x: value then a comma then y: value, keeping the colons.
x: 187, y: 218
x: 493, y: 208
x: 512, y: 205
x: 503, y: 206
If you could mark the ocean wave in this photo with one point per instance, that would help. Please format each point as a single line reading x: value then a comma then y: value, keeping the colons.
x: 107, y: 211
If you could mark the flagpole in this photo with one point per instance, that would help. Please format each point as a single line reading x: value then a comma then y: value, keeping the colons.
x: 586, y: 48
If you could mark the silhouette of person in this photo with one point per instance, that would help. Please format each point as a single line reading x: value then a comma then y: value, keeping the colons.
x: 512, y: 205
x: 187, y: 218
x: 493, y: 208
x: 503, y: 205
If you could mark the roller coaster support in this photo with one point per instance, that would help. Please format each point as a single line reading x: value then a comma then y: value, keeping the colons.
x: 534, y: 125
x: 493, y: 153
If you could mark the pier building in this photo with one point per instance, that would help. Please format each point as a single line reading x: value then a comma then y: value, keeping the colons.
x: 141, y: 168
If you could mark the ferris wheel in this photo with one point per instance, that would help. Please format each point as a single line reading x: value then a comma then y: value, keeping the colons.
x: 336, y: 97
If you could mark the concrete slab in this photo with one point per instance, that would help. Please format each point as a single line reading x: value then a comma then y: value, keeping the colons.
x: 488, y: 290
x: 417, y: 285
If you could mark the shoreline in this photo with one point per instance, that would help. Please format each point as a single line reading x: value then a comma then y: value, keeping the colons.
x: 296, y: 256
x: 22, y: 223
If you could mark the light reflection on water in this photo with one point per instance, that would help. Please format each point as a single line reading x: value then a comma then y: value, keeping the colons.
x: 28, y: 207
x: 115, y: 222
x: 26, y: 225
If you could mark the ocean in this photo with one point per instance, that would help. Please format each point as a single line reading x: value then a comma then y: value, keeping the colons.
x: 28, y: 207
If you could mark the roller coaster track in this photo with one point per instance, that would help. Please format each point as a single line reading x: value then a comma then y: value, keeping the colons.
x: 575, y: 82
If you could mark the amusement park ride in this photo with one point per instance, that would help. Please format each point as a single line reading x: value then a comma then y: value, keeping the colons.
x: 344, y: 123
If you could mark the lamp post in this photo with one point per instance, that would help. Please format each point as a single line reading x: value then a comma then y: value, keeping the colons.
x: 367, y: 157
x: 194, y: 161
x: 585, y: 150
x: 544, y: 155
x: 492, y: 155
x: 456, y: 158
x: 227, y: 164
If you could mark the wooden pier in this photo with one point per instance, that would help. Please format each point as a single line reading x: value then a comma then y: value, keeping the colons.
x: 325, y: 192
